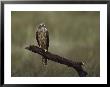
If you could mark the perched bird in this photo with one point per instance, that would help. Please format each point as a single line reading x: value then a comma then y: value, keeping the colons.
x: 42, y: 37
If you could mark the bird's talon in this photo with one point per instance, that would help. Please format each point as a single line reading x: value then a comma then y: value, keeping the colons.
x: 45, y: 50
x: 39, y: 46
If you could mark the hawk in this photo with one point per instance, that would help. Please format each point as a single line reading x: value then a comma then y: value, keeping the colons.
x: 42, y: 37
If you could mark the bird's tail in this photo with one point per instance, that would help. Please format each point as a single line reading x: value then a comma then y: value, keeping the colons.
x: 44, y: 61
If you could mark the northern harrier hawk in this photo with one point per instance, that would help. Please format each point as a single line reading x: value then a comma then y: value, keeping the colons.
x: 42, y: 37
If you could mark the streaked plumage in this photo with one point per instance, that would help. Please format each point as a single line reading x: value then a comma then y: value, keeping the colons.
x: 42, y: 37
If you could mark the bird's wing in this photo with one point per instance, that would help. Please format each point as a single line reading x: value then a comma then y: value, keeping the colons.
x: 47, y: 37
x: 37, y: 38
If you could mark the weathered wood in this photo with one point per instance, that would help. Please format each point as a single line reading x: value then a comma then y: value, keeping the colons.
x: 50, y: 56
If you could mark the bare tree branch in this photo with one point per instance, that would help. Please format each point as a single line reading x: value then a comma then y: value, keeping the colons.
x: 50, y: 56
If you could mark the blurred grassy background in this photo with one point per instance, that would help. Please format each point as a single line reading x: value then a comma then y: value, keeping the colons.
x: 75, y: 35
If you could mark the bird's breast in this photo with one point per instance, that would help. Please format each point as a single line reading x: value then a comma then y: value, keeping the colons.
x: 42, y: 36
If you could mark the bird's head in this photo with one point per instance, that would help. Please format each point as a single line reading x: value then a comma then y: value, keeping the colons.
x: 42, y: 25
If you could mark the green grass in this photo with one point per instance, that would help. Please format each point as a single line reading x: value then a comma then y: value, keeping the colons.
x: 75, y: 35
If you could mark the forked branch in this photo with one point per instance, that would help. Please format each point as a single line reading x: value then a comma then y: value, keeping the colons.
x: 50, y: 56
